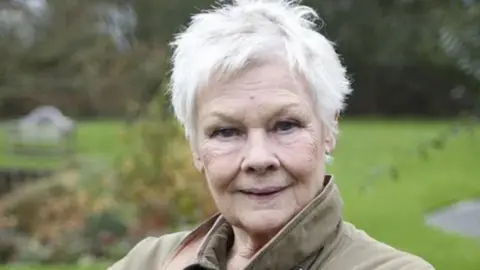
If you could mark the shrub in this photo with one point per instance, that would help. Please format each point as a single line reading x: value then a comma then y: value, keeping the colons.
x: 159, y: 178
x: 96, y: 211
x: 65, y: 216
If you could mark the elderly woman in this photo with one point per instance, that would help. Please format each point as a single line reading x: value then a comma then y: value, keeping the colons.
x: 258, y: 91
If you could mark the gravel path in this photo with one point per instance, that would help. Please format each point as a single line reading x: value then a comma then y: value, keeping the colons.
x: 461, y: 218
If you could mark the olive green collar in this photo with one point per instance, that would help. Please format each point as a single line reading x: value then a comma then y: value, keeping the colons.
x: 302, y: 239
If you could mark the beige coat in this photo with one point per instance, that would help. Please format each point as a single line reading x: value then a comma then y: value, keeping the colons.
x: 316, y: 238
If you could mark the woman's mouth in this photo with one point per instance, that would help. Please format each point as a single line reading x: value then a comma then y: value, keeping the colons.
x: 263, y: 193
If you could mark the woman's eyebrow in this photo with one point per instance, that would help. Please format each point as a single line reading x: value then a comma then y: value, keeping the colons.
x: 287, y: 109
x: 217, y: 115
x: 224, y: 116
x: 284, y: 109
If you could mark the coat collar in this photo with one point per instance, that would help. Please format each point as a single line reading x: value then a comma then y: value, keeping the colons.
x: 306, y: 235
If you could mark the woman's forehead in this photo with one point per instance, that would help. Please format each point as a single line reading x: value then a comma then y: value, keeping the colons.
x: 259, y: 106
x: 265, y: 79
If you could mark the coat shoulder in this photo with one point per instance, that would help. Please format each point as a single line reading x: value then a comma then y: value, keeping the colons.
x: 150, y: 253
x: 357, y: 250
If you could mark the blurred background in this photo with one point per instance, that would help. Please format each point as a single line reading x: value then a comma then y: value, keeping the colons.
x: 91, y: 160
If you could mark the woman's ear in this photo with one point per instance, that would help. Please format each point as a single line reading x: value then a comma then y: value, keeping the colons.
x: 330, y: 140
x: 197, y: 162
x: 330, y: 143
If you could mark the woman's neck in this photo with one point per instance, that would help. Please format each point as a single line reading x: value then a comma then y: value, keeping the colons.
x: 246, y: 246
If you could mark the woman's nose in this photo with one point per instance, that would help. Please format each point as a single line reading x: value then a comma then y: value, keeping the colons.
x: 259, y: 156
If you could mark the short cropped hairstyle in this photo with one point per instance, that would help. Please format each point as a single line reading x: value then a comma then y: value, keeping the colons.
x: 224, y: 40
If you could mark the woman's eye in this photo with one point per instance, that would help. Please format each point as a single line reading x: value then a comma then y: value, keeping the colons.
x: 225, y: 132
x: 283, y: 126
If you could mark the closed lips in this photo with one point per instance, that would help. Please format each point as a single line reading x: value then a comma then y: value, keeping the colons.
x: 262, y: 191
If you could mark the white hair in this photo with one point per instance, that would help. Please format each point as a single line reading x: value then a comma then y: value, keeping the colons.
x: 224, y: 40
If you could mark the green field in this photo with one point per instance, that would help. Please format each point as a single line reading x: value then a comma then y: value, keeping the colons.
x: 102, y: 140
x: 391, y: 211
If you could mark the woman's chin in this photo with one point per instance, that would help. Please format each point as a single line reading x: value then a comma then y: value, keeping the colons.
x: 265, y: 221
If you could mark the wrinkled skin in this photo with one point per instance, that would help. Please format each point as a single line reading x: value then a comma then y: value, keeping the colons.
x: 261, y: 147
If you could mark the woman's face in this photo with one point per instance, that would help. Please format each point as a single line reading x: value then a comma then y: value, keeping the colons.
x: 260, y: 146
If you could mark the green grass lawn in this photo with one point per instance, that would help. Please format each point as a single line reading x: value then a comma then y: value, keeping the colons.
x: 99, y: 139
x: 391, y: 211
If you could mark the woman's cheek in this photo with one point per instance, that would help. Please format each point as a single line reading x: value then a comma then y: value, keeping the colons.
x: 220, y: 160
x: 299, y: 151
